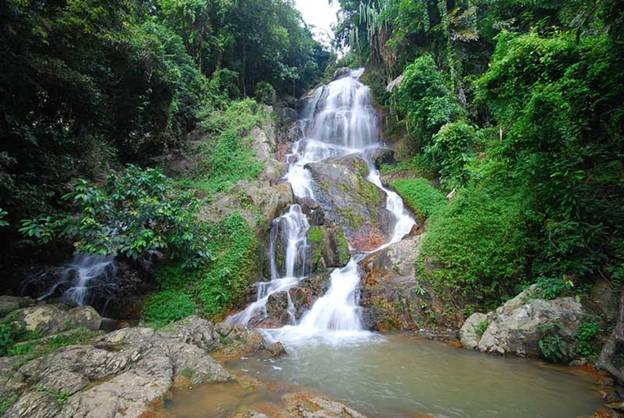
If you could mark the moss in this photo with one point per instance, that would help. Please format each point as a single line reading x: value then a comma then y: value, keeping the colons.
x: 420, y: 196
x: 316, y: 234
x: 354, y: 219
x: 343, y: 248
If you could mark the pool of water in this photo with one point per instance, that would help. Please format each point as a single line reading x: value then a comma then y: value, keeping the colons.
x: 403, y: 376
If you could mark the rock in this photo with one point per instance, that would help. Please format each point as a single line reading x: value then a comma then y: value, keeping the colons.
x: 517, y: 328
x: 328, y: 247
x: 394, y: 83
x: 305, y: 405
x: 53, y: 319
x: 120, y: 374
x: 9, y: 304
x: 312, y: 210
x: 302, y: 297
x: 469, y: 334
x: 381, y: 156
x: 392, y: 296
x: 603, y: 297
x: 349, y: 200
x: 342, y: 72
x: 258, y: 203
x: 237, y: 341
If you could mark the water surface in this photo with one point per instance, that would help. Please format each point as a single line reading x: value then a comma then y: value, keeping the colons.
x: 402, y: 376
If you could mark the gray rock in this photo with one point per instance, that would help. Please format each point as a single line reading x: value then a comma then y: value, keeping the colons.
x: 120, y: 374
x: 9, y: 304
x: 517, y: 328
x: 54, y: 319
x: 468, y: 334
x: 349, y: 200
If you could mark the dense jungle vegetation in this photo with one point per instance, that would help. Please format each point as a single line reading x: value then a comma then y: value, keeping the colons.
x: 94, y: 93
x: 516, y: 107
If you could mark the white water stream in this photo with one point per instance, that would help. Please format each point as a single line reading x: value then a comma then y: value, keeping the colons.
x: 338, y: 120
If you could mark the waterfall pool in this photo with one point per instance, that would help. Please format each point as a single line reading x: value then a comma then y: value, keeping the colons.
x: 402, y: 376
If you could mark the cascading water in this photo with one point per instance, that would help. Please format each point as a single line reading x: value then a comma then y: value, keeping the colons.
x: 338, y: 120
x: 82, y: 274
x: 289, y: 234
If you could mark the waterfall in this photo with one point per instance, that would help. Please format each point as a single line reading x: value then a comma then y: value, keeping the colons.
x: 81, y: 275
x: 288, y: 237
x: 338, y: 120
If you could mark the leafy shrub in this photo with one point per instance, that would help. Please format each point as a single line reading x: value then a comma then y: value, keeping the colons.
x: 451, y: 150
x: 229, y: 158
x: 214, y: 286
x: 425, y: 100
x: 265, y: 93
x: 481, y: 327
x: 137, y: 211
x: 476, y: 245
x: 7, y: 338
x: 586, y: 338
x: 555, y: 349
x: 420, y: 196
x: 168, y: 306
x: 553, y: 287
x: 553, y: 346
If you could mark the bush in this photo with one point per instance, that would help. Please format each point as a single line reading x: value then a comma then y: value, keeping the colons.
x: 136, y: 212
x: 476, y: 246
x: 420, y: 196
x: 586, y: 338
x: 265, y: 93
x: 451, y: 150
x: 425, y: 100
x: 230, y: 158
x: 555, y: 349
x: 7, y: 338
x: 168, y: 306
x: 216, y: 285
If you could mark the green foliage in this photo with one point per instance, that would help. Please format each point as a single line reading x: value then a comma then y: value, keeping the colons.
x: 3, y: 222
x: 481, y: 327
x: 214, y: 286
x: 555, y: 349
x: 586, y: 338
x: 476, y: 246
x: 7, y: 402
x: 168, y: 306
x: 265, y: 93
x: 420, y: 196
x: 452, y: 148
x: 136, y: 212
x: 553, y: 287
x: 553, y: 346
x: 230, y: 157
x: 7, y: 337
x: 425, y: 99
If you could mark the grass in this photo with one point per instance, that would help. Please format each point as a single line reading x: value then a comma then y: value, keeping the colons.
x: 420, y: 196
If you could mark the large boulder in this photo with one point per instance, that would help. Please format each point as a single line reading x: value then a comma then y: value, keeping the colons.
x: 349, y: 200
x: 519, y: 325
x: 392, y: 296
x: 121, y: 373
x: 308, y: 405
x: 53, y: 319
x: 259, y: 203
x: 9, y: 304
x: 470, y: 333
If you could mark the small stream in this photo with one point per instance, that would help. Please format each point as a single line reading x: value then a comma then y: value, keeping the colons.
x: 404, y: 376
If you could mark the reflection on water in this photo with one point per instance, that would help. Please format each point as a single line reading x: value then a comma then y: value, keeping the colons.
x: 403, y: 376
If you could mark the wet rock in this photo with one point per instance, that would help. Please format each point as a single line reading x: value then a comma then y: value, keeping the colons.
x: 470, y: 334
x: 312, y: 210
x: 518, y: 325
x: 9, y: 304
x: 328, y: 247
x: 342, y: 72
x: 53, y: 319
x: 381, y: 156
x: 237, y: 341
x: 305, y: 405
x: 392, y: 296
x: 349, y: 200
